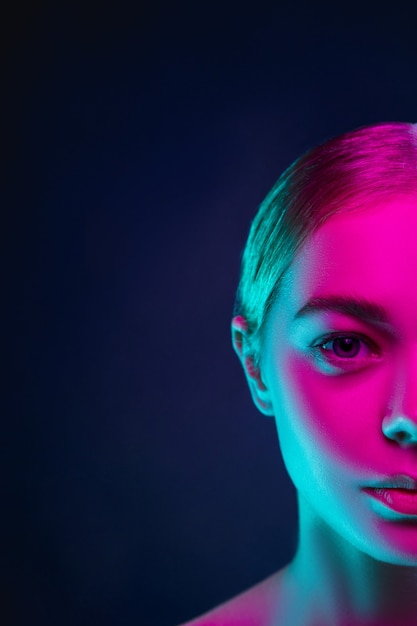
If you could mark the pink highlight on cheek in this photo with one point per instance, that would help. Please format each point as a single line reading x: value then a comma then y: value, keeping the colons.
x: 331, y: 414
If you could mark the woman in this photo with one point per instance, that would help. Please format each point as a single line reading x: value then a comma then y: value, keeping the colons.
x: 326, y: 331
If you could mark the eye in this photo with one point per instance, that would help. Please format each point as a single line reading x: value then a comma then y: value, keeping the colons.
x: 344, y: 347
x: 345, y: 351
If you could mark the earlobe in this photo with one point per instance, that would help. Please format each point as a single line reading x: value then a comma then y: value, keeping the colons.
x: 259, y: 391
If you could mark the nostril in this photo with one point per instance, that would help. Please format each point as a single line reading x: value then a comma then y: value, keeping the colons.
x: 401, y: 436
x: 401, y: 429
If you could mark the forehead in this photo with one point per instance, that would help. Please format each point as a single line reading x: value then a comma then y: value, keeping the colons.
x: 370, y: 253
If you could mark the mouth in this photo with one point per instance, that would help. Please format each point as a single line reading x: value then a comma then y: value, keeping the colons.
x: 398, y: 493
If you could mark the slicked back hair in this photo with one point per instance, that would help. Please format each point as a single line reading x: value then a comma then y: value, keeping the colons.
x: 348, y: 172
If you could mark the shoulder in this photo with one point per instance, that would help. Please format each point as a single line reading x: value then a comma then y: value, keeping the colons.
x: 258, y: 606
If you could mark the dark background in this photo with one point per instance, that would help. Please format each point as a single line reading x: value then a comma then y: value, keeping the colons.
x: 142, y: 487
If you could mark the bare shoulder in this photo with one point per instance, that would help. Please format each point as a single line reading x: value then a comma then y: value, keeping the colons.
x: 258, y: 606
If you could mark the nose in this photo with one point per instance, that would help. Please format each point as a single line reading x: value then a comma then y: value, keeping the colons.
x: 400, y: 421
x: 401, y: 429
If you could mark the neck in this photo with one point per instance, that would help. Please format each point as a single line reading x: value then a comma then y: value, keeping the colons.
x: 342, y: 585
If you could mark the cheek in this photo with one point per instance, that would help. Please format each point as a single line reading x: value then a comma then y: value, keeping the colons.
x: 328, y: 419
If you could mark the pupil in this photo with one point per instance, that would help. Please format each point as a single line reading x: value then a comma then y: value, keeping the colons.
x: 346, y: 346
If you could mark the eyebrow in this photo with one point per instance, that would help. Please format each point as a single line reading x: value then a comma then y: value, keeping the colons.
x: 354, y: 307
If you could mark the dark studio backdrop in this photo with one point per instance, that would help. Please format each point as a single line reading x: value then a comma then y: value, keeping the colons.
x: 142, y: 486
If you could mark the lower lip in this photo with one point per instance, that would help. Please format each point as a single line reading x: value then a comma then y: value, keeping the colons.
x: 399, y: 500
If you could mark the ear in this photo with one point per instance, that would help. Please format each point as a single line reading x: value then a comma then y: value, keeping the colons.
x: 259, y: 391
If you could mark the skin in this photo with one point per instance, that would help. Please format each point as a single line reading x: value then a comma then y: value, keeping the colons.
x: 345, y: 418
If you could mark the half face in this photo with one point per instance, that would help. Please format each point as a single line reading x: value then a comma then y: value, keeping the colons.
x: 340, y: 366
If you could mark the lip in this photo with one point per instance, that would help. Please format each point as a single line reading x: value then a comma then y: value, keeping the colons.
x: 398, y: 493
x: 398, y: 481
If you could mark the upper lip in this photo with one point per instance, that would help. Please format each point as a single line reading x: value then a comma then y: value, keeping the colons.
x: 399, y: 481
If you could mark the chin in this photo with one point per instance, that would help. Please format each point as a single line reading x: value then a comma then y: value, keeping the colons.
x: 394, y: 543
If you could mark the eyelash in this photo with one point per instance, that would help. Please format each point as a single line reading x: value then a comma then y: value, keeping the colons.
x: 331, y: 358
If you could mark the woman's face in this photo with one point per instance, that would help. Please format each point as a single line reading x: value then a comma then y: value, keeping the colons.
x: 340, y: 366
